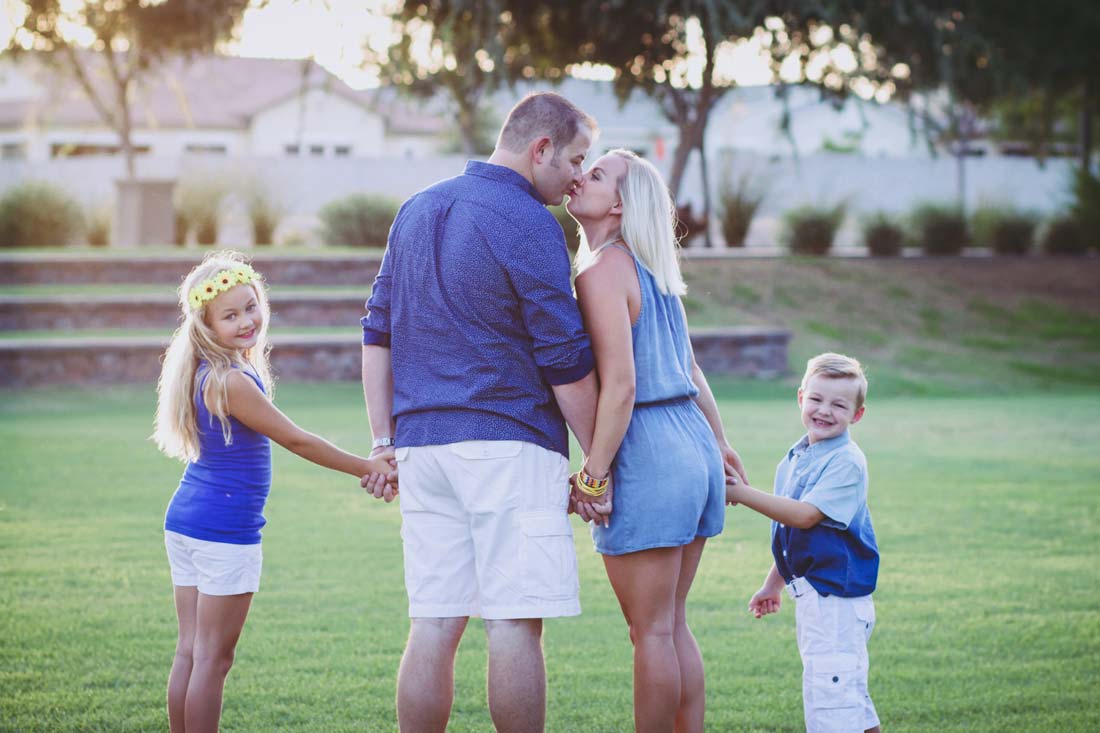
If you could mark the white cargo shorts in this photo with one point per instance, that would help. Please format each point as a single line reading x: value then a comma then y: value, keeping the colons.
x: 486, y: 531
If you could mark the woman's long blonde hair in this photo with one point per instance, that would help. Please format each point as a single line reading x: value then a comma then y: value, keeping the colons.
x: 177, y: 430
x: 648, y: 223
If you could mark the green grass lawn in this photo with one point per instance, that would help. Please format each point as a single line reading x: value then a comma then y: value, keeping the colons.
x: 988, y: 603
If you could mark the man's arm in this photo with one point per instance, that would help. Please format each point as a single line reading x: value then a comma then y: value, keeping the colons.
x: 378, y: 393
x: 791, y: 512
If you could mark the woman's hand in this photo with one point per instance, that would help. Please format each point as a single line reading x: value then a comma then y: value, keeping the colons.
x: 731, y: 462
x: 591, y: 508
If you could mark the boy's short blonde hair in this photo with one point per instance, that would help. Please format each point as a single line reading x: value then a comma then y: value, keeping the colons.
x: 838, y: 366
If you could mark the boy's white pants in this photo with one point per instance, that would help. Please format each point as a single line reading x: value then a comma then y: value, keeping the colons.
x: 832, y: 640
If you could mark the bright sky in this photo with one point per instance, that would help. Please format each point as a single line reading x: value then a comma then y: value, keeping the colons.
x: 340, y: 34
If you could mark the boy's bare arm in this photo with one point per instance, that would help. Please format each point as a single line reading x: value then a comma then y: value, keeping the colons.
x: 791, y: 512
x: 769, y: 597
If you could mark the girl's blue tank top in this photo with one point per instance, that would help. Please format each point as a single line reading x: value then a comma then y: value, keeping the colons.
x: 221, y: 496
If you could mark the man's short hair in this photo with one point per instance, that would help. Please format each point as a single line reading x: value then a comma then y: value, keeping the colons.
x: 543, y: 114
x: 838, y: 366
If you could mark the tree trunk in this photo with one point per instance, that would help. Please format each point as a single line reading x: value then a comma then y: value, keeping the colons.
x: 1085, y: 123
x: 467, y: 126
x: 690, y: 139
x: 706, y: 193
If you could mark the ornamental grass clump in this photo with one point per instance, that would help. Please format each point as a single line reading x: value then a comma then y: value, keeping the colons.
x: 1003, y: 229
x: 39, y: 214
x: 940, y: 229
x: 738, y: 204
x: 198, y: 201
x: 810, y: 230
x: 360, y: 220
x: 883, y: 236
x: 1063, y: 236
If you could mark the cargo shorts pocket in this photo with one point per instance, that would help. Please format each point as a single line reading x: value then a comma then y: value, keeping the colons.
x: 548, y: 559
x: 833, y: 685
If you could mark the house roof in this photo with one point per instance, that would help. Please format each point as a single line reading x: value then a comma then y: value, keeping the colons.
x: 202, y: 92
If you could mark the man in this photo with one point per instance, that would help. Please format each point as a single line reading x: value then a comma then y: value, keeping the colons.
x: 473, y: 353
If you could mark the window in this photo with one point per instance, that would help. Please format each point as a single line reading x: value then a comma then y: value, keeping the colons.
x: 76, y: 150
x: 207, y: 149
x: 291, y: 149
x: 316, y: 149
x: 13, y: 151
x: 342, y: 151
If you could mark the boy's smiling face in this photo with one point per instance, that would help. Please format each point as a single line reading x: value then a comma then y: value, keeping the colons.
x: 829, y: 406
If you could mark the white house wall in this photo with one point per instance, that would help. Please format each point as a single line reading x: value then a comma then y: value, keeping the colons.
x: 318, y: 118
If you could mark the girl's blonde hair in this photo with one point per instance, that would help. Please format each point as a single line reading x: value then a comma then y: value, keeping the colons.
x: 177, y: 430
x: 648, y: 223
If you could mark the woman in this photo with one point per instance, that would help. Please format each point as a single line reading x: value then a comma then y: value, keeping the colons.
x: 658, y: 438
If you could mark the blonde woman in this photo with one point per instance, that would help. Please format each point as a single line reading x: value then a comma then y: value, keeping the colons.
x: 654, y: 479
x: 214, y: 411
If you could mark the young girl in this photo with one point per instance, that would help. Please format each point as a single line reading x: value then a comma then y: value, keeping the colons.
x: 214, y: 411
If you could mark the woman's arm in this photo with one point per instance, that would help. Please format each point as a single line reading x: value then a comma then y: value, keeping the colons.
x: 709, y: 406
x: 603, y: 293
x: 252, y: 407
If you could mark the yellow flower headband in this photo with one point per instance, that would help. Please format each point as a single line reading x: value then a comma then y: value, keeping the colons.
x: 207, y: 290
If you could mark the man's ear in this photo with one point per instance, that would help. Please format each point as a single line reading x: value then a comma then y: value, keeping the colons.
x: 541, y: 148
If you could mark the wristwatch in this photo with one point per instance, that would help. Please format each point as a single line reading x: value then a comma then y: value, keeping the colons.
x: 381, y: 443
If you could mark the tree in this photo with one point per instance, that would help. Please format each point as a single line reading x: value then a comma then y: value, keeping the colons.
x: 129, y: 38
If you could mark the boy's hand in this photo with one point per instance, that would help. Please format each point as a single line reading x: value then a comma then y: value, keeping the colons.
x: 735, y: 488
x: 765, y: 601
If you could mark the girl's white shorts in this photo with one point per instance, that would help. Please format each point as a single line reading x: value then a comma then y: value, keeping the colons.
x: 215, y: 568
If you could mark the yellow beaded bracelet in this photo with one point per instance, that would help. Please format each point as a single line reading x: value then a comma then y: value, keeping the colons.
x: 592, y: 486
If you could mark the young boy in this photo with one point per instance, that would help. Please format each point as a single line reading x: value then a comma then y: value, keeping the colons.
x: 824, y: 547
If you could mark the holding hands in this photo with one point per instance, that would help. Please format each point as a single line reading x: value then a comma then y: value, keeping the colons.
x: 590, y: 497
x: 381, y: 483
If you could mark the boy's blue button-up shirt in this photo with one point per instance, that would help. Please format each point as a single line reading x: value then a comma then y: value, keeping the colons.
x: 474, y: 300
x: 838, y: 556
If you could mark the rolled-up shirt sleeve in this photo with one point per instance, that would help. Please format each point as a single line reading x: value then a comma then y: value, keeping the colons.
x: 539, y: 270
x: 376, y: 324
x: 838, y: 492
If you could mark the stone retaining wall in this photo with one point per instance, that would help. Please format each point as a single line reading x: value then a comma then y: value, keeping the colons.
x: 29, y: 362
x: 20, y: 269
x: 74, y: 312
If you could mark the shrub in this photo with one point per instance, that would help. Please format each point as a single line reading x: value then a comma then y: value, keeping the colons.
x: 360, y: 220
x: 198, y: 202
x: 97, y: 226
x: 1085, y: 206
x: 687, y: 225
x: 810, y: 230
x: 1003, y: 229
x: 568, y: 226
x: 264, y: 214
x: 738, y: 203
x: 1062, y: 236
x: 38, y: 214
x: 940, y: 228
x: 882, y: 235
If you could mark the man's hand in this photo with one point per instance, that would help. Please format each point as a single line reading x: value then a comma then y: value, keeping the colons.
x: 765, y: 601
x: 591, y: 508
x: 382, y: 485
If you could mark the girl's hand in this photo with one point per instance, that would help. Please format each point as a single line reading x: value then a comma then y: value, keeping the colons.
x: 381, y: 483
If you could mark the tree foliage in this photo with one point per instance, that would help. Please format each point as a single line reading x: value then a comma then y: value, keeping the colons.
x: 127, y: 38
